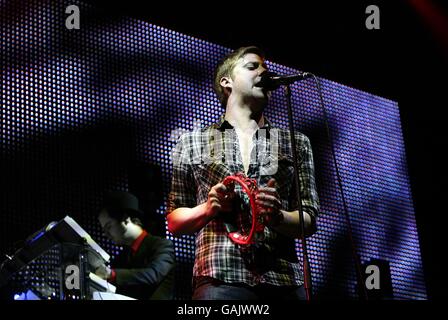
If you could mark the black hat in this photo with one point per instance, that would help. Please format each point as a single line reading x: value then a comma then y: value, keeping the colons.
x: 119, y: 203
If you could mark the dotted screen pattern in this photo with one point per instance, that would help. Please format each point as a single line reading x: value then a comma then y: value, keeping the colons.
x: 82, y: 107
x: 41, y: 276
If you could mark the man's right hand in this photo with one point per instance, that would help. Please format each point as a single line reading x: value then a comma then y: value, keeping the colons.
x: 185, y: 220
x: 103, y: 271
x: 219, y: 200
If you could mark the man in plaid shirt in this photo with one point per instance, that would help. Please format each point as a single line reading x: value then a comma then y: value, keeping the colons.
x: 243, y: 141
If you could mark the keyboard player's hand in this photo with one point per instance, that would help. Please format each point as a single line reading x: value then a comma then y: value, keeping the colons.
x: 103, y: 272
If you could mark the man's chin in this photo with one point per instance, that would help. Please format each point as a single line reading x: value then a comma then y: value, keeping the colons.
x: 263, y: 96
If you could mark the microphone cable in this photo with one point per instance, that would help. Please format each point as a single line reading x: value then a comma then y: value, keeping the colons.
x: 339, y: 180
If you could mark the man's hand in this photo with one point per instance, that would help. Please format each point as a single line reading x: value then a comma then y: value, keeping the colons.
x: 219, y: 200
x: 186, y: 220
x: 103, y: 272
x: 269, y: 204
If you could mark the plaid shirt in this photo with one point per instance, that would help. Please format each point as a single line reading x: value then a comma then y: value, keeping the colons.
x: 204, y: 157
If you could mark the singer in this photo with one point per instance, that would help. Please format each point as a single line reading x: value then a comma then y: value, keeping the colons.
x: 244, y: 142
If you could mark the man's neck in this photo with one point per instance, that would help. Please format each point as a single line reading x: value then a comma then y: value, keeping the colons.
x: 243, y: 118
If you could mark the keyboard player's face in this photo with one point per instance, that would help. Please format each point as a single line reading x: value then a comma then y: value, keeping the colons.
x: 113, y: 229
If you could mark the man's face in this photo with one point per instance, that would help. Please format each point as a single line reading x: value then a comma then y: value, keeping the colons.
x: 245, y: 75
x: 113, y: 229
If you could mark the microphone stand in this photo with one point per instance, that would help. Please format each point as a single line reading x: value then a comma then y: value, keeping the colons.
x: 286, y: 81
x: 306, y: 266
x: 362, y: 291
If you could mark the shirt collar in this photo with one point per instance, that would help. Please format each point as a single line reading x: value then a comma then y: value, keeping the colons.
x: 137, y: 242
x: 223, y: 124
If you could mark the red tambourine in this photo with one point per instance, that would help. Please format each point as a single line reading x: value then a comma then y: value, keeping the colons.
x: 251, y: 189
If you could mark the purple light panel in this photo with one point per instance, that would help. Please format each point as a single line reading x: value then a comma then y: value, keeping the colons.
x: 79, y: 107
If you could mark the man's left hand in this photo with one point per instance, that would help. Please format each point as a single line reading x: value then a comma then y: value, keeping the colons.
x: 103, y: 272
x: 269, y: 204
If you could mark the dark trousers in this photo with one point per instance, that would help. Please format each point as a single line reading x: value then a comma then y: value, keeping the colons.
x: 215, y: 290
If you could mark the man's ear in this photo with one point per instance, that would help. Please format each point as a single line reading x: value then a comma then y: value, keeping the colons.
x: 128, y: 219
x: 226, y: 82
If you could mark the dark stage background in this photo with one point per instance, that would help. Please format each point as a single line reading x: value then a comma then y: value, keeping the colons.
x: 400, y: 62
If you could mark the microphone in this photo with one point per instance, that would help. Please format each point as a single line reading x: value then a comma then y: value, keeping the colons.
x: 271, y: 81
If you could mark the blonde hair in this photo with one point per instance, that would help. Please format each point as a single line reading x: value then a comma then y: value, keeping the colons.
x: 225, y: 68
